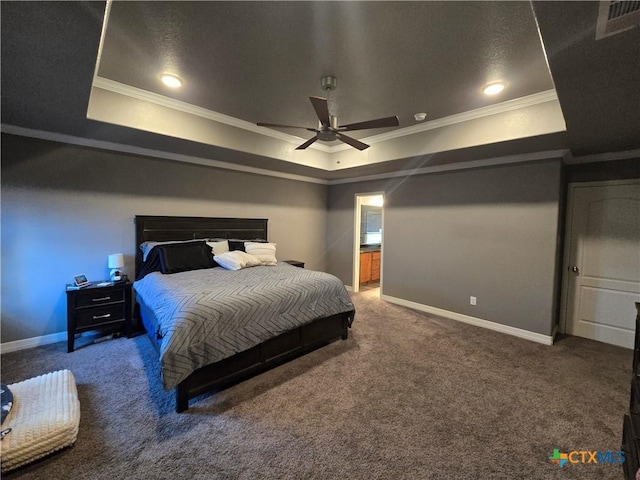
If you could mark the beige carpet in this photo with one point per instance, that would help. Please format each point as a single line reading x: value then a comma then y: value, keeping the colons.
x: 406, y: 396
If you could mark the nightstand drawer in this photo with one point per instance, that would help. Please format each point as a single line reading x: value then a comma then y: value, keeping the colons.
x: 98, y: 296
x: 95, y: 307
x: 90, y: 317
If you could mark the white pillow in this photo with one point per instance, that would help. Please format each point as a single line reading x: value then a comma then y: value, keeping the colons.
x: 230, y: 260
x: 250, y: 260
x: 265, y: 252
x: 236, y: 260
x: 219, y: 247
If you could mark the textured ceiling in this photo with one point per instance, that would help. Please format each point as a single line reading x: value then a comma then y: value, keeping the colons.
x: 260, y: 61
x: 423, y: 56
x: 597, y: 81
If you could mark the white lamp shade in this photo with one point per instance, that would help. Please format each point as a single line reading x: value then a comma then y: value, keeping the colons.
x: 116, y: 260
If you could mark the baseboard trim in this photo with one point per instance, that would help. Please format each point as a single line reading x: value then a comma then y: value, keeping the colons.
x: 32, y: 342
x: 554, y: 332
x: 349, y: 288
x: 479, y: 322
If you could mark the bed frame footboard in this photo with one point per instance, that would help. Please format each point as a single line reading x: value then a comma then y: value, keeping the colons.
x: 262, y: 357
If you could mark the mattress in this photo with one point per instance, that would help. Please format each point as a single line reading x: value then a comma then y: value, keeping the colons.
x: 204, y: 316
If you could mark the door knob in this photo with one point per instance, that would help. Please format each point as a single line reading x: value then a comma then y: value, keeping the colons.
x: 575, y: 270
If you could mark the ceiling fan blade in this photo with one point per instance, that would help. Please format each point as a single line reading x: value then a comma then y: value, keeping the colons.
x: 307, y: 143
x: 378, y: 123
x: 322, y: 109
x: 352, y: 141
x: 275, y: 125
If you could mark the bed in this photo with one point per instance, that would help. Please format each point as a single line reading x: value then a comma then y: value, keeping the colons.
x: 214, y: 327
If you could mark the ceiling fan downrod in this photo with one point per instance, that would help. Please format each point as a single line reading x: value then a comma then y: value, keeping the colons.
x: 328, y: 83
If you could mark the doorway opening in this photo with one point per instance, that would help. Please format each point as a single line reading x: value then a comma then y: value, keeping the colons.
x: 368, y: 242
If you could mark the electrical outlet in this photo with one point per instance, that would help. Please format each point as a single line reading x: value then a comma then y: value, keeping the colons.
x: 473, y: 300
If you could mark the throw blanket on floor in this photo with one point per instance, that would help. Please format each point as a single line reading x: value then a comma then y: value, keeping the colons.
x: 207, y: 315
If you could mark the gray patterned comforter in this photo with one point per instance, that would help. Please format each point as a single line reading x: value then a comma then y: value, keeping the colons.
x: 207, y: 315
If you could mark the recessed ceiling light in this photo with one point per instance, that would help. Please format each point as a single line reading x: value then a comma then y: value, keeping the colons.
x: 493, y: 88
x: 171, y: 80
x: 420, y: 116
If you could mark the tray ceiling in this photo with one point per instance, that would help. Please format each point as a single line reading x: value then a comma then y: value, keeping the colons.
x: 245, y: 62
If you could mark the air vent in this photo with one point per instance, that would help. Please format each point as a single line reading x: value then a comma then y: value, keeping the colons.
x: 616, y: 16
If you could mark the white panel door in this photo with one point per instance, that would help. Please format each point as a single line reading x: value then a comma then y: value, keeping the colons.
x: 604, y: 262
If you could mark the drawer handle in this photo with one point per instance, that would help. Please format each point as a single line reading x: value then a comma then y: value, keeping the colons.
x: 100, y: 299
x: 98, y: 317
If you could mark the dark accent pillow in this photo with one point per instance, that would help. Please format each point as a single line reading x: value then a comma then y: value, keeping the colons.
x: 237, y: 244
x: 181, y: 257
x: 6, y: 398
x: 150, y: 265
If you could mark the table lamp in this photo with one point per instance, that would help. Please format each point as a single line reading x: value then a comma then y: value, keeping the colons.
x: 116, y: 262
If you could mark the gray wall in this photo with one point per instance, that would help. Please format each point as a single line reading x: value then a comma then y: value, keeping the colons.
x: 65, y: 208
x: 491, y: 233
x: 488, y: 232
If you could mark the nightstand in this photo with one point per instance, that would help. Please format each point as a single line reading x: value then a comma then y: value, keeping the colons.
x: 95, y: 307
x: 295, y: 263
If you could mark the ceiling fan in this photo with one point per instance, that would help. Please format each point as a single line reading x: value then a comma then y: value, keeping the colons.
x: 328, y: 128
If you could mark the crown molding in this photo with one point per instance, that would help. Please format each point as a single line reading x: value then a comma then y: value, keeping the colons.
x: 488, y: 162
x: 503, y: 107
x: 602, y: 157
x: 508, y: 106
x: 146, y: 96
x: 122, y: 148
x: 139, y: 94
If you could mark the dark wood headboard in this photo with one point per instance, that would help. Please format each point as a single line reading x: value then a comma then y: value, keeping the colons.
x: 161, y: 229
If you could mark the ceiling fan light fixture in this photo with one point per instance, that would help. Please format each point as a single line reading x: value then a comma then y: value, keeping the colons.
x: 171, y: 80
x: 493, y: 88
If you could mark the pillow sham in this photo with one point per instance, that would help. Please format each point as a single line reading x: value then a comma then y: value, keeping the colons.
x: 250, y: 260
x: 238, y: 244
x: 146, y: 247
x: 218, y: 247
x: 236, y: 260
x: 230, y: 260
x: 265, y: 252
x: 181, y: 257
